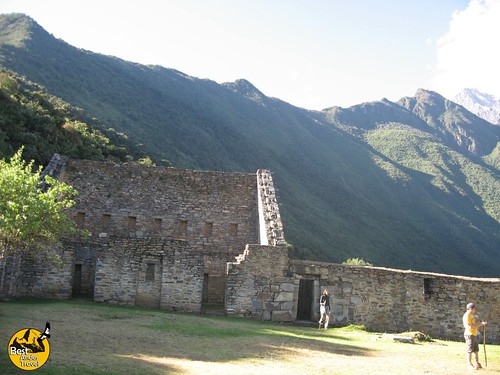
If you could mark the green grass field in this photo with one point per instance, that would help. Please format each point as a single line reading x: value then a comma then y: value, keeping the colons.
x: 90, y: 338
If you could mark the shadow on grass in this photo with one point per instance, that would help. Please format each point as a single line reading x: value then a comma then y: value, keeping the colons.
x: 228, y: 357
x: 127, y: 366
x: 228, y: 339
x: 91, y: 338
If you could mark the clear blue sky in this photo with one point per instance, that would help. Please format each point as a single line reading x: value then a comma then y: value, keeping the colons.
x: 312, y: 54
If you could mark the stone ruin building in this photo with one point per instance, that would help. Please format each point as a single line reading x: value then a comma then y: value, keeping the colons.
x: 185, y: 240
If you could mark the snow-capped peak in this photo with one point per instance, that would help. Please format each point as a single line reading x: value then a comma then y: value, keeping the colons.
x: 481, y: 104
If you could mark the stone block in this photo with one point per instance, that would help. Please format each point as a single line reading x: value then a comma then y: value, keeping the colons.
x: 356, y: 300
x: 284, y: 297
x: 287, y: 287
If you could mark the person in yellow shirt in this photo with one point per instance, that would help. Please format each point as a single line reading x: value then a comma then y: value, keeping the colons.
x: 470, y: 335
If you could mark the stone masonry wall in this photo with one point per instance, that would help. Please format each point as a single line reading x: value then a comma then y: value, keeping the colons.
x: 166, y: 274
x: 258, y: 286
x: 390, y: 300
x: 216, y: 213
x: 42, y: 275
x: 143, y: 202
x: 271, y: 228
x: 264, y: 284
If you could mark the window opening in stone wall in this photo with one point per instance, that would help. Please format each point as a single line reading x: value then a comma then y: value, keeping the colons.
x: 427, y: 288
x: 233, y: 230
x: 106, y: 219
x: 80, y: 219
x: 150, y: 272
x: 208, y: 229
x: 157, y: 225
x: 183, y: 226
x: 132, y: 220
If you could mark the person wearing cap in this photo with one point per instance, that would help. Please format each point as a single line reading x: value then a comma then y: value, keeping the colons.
x: 470, y: 335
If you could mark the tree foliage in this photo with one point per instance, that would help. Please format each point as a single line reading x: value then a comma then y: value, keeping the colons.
x: 356, y: 262
x: 31, y: 218
x: 45, y: 124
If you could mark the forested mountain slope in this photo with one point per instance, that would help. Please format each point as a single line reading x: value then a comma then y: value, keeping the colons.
x: 413, y: 184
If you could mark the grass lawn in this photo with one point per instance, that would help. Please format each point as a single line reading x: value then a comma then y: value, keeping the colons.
x: 90, y: 338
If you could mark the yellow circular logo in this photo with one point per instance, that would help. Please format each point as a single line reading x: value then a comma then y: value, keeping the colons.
x: 29, y: 348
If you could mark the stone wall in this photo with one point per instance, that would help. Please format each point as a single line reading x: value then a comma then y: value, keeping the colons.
x: 166, y: 274
x: 271, y: 228
x: 41, y: 275
x: 158, y: 236
x: 265, y: 285
x: 258, y: 286
x: 390, y: 300
x: 84, y: 268
x: 142, y: 202
x: 214, y: 213
x: 9, y: 270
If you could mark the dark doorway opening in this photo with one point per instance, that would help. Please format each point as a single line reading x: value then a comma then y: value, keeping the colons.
x: 77, y: 281
x: 204, y: 297
x: 212, y: 298
x: 305, y: 301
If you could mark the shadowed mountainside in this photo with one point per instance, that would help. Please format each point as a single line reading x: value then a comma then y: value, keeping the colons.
x: 413, y: 184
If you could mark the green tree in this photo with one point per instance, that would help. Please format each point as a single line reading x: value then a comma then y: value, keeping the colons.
x: 8, y: 83
x: 146, y: 161
x: 31, y: 218
x: 356, y: 262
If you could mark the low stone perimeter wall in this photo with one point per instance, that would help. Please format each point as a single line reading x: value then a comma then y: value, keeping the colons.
x: 389, y: 300
x: 265, y: 285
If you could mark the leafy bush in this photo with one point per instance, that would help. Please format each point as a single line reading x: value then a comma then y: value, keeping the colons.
x: 356, y: 262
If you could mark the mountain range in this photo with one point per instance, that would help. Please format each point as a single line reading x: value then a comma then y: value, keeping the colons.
x: 484, y: 105
x: 412, y: 184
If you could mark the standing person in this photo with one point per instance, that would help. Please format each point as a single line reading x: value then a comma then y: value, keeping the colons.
x: 470, y: 335
x: 324, y: 308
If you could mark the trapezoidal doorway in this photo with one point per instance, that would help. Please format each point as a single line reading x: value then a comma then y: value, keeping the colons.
x: 305, y: 300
